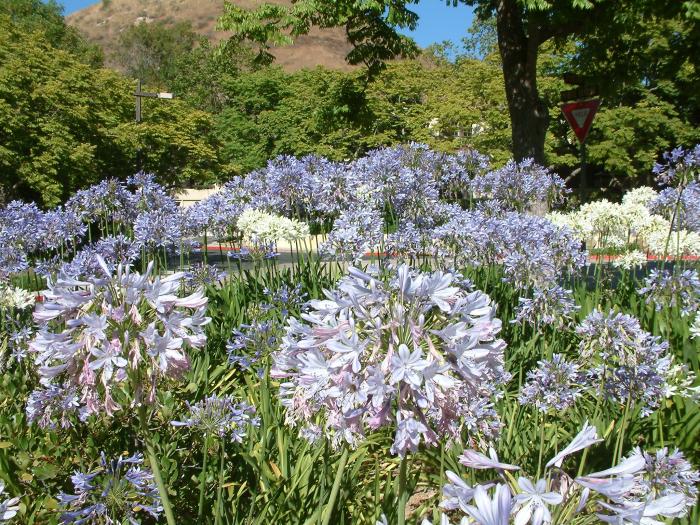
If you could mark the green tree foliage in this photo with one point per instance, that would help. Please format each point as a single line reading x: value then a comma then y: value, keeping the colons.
x: 67, y: 125
x: 47, y: 17
x: 340, y: 116
x: 271, y: 112
x: 151, y: 51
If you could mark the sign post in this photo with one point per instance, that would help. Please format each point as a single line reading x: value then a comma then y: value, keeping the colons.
x: 580, y: 116
x: 139, y: 94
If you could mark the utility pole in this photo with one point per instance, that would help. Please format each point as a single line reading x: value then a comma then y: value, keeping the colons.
x: 139, y: 95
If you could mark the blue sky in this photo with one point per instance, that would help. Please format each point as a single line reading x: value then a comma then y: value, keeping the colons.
x: 438, y: 22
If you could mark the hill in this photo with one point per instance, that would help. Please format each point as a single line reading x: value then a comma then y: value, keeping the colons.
x: 102, y: 23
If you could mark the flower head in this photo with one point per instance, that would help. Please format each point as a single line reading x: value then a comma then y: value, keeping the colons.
x: 120, y: 490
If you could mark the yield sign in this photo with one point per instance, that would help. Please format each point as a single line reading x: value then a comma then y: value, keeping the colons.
x: 580, y: 116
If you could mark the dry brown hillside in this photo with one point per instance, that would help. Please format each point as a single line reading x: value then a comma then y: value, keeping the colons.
x: 102, y: 24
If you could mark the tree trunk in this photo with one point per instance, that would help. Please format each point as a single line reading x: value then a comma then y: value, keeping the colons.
x: 528, y: 113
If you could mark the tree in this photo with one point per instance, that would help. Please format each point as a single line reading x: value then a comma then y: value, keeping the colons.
x: 150, y: 51
x: 67, y: 125
x: 47, y: 18
x: 522, y: 27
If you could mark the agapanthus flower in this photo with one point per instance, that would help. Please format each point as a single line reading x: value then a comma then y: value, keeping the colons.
x: 678, y: 166
x: 117, y: 328
x: 520, y: 185
x: 548, y: 306
x: 354, y: 233
x: 220, y: 416
x: 667, y: 290
x: 257, y: 225
x: 249, y: 343
x: 533, y: 502
x: 283, y: 299
x: 627, y: 362
x: 680, y: 206
x: 158, y: 229
x: 8, y: 507
x: 53, y: 405
x: 630, y: 260
x: 119, y: 491
x: 15, y: 298
x: 407, y: 349
x: 645, y: 485
x: 487, y: 511
x: 554, y: 384
x: 203, y: 275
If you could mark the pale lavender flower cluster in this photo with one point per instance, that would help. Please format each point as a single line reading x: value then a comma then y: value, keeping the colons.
x: 220, y: 416
x: 113, y: 250
x: 642, y: 489
x: 555, y: 384
x: 54, y: 405
x: 627, y: 362
x: 118, y: 492
x: 519, y: 185
x: 407, y: 350
x: 548, y: 306
x: 678, y: 166
x: 668, y: 290
x: 115, y: 329
x: 8, y: 507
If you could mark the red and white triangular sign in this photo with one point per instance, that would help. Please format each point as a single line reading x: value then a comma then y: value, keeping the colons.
x: 580, y: 115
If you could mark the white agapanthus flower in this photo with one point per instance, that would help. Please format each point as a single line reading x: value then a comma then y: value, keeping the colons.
x: 630, y: 260
x: 261, y: 226
x: 681, y: 242
x: 695, y: 327
x: 639, y: 196
x: 17, y: 298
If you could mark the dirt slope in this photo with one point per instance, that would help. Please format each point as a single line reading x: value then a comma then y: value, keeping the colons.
x: 102, y: 23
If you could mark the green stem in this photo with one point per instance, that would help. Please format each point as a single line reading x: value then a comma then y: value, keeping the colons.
x: 336, y: 487
x: 220, y: 488
x: 155, y: 467
x: 539, y: 460
x: 203, y: 478
x: 403, y: 493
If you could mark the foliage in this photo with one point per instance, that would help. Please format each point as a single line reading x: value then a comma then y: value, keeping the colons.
x: 31, y: 16
x: 257, y: 468
x: 151, y: 51
x: 68, y: 125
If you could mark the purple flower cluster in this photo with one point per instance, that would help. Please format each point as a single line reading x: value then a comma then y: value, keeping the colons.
x: 668, y: 290
x: 532, y: 250
x: 680, y: 206
x: 249, y: 343
x: 355, y: 233
x: 555, y: 384
x: 120, y: 491
x: 678, y: 167
x: 221, y: 417
x: 118, y: 328
x: 627, y: 362
x: 408, y: 350
x: 548, y: 306
x: 519, y: 186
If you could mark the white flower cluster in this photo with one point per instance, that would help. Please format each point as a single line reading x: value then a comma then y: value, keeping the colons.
x: 15, y: 298
x: 604, y: 224
x: 266, y: 227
